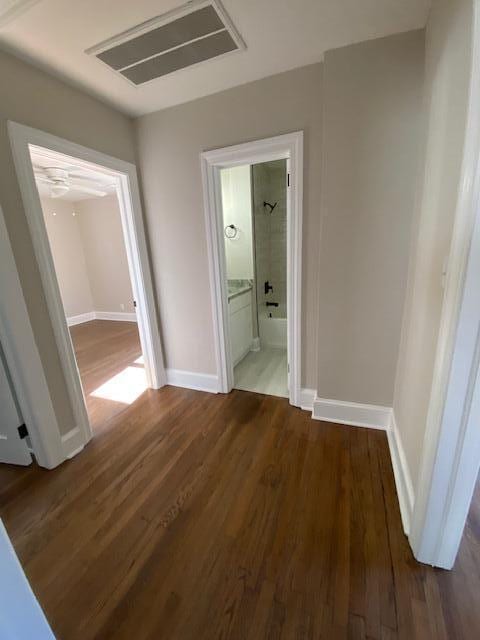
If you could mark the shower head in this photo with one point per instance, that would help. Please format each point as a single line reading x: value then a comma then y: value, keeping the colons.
x: 270, y: 206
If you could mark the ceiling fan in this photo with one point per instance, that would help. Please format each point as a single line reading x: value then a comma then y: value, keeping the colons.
x: 61, y: 181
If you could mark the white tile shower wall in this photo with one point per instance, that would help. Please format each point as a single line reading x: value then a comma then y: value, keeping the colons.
x: 270, y: 230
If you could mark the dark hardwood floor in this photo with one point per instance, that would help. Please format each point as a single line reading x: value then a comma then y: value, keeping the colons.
x: 195, y: 516
x: 104, y: 349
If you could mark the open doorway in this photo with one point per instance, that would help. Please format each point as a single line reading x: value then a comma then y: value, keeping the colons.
x: 254, y: 208
x: 113, y: 347
x: 83, y: 223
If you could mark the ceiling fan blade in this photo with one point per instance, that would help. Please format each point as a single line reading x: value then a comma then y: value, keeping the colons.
x: 90, y: 190
x: 81, y: 178
x: 41, y: 178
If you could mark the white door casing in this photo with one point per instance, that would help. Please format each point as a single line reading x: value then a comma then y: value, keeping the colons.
x: 13, y: 449
x: 287, y: 147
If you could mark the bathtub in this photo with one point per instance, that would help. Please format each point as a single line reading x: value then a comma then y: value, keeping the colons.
x: 273, y: 332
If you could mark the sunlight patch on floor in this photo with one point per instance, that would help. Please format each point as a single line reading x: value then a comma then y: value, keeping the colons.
x: 125, y: 387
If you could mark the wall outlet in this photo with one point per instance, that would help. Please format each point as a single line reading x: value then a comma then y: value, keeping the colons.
x: 122, y: 307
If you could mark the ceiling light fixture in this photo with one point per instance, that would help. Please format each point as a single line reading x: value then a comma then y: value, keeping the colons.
x: 58, y: 190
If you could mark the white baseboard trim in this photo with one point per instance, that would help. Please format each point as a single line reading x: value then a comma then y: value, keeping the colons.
x: 243, y: 355
x: 373, y: 417
x: 72, y: 442
x: 121, y: 316
x: 352, y: 413
x: 191, y: 380
x: 255, y: 344
x: 403, y: 480
x: 82, y: 317
x: 307, y: 396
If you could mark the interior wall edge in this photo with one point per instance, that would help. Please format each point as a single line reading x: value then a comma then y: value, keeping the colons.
x: 207, y: 382
x: 402, y: 475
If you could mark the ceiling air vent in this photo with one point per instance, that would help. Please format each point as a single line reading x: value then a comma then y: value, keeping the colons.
x: 193, y: 33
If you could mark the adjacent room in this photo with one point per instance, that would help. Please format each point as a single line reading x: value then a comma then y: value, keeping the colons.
x: 84, y: 228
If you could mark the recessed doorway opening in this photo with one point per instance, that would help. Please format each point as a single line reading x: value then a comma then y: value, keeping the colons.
x: 84, y: 214
x: 83, y: 222
x: 254, y: 208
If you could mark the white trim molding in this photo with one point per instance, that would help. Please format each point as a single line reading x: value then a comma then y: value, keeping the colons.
x: 401, y: 472
x: 125, y: 175
x: 14, y: 9
x: 192, y: 380
x: 24, y: 363
x: 120, y: 316
x: 72, y: 443
x: 290, y: 148
x: 81, y: 318
x: 307, y: 397
x: 352, y: 413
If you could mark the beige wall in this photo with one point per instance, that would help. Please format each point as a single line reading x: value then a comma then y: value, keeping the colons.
x: 448, y: 65
x: 101, y: 234
x: 270, y: 184
x: 371, y: 126
x: 372, y: 120
x: 89, y: 254
x: 68, y: 255
x: 36, y: 99
x: 170, y: 142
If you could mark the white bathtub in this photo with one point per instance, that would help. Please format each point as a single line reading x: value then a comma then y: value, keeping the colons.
x: 273, y: 332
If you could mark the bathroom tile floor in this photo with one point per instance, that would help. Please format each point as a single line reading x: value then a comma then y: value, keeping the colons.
x: 263, y: 371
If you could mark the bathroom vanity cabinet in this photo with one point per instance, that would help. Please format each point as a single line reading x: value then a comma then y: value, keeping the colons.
x: 241, y: 327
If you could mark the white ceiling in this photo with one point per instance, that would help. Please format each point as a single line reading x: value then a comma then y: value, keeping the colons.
x: 279, y: 34
x: 80, y: 175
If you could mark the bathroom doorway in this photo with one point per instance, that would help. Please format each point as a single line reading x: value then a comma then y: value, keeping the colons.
x: 254, y: 208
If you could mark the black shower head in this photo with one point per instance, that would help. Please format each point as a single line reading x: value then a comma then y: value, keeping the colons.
x: 270, y: 206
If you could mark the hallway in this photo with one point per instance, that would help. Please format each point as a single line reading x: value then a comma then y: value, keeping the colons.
x: 233, y: 516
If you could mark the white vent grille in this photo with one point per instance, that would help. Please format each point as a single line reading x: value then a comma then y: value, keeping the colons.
x: 195, y: 32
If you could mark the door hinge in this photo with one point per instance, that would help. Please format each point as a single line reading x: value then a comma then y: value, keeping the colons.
x: 288, y: 179
x: 288, y: 368
x: 22, y: 431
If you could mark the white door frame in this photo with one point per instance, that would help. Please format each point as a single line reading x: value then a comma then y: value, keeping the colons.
x: 23, y: 361
x: 289, y: 147
x: 451, y: 458
x: 136, y: 248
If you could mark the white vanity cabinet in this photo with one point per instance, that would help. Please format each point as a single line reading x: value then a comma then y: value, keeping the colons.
x: 241, y: 327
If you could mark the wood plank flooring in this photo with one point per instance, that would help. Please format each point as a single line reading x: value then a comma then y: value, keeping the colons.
x: 103, y: 349
x: 201, y: 516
